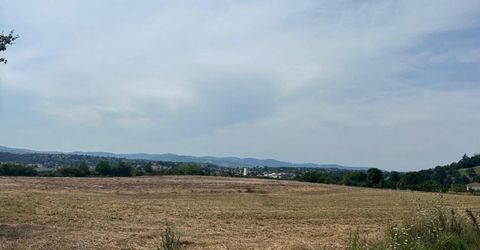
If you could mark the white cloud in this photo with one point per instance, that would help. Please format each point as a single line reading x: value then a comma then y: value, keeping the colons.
x: 264, y: 78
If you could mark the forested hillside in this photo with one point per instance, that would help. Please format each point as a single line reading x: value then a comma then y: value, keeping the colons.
x: 448, y: 176
x: 452, y: 177
x: 54, y: 160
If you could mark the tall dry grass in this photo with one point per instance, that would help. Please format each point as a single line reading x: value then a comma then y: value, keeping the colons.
x: 432, y: 228
x: 170, y: 239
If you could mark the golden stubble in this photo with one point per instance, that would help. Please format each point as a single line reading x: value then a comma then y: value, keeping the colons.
x: 208, y: 212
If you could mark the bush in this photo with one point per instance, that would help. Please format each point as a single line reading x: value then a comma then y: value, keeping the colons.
x: 450, y: 243
x: 122, y: 169
x: 103, y: 168
x: 189, y: 169
x: 375, y: 178
x: 458, y: 188
x: 435, y: 228
x: 9, y: 169
x: 170, y: 239
x: 75, y: 171
x: 147, y: 168
x: 355, y: 178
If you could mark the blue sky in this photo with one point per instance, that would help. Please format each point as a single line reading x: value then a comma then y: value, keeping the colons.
x: 389, y: 84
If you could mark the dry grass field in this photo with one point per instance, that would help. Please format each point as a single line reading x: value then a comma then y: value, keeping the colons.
x: 209, y: 212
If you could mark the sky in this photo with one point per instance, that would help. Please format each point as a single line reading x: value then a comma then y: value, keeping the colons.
x: 387, y: 84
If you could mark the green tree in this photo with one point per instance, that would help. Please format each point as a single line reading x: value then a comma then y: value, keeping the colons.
x: 355, y: 178
x: 83, y: 169
x: 458, y: 187
x: 476, y: 179
x: 103, y: 168
x: 189, y: 169
x: 392, y: 180
x: 462, y: 179
x: 374, y: 177
x: 122, y: 169
x: 10, y: 169
x: 440, y: 175
x: 5, y: 41
x: 148, y: 168
x: 394, y: 177
x: 471, y: 172
x: 411, y: 179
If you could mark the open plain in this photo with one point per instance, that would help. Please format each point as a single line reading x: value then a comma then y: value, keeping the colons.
x: 208, y: 212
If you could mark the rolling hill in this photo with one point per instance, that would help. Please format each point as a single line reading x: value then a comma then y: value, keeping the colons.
x: 220, y: 161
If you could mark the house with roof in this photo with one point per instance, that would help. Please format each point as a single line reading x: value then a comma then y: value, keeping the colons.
x: 474, y: 186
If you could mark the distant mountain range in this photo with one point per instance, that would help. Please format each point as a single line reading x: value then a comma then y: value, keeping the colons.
x: 16, y: 150
x: 220, y: 161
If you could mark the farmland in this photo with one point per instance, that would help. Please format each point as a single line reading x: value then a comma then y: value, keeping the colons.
x: 208, y: 212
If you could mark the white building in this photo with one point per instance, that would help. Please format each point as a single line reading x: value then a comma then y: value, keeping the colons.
x: 474, y: 186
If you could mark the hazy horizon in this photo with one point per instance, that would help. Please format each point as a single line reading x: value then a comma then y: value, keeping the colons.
x: 387, y: 84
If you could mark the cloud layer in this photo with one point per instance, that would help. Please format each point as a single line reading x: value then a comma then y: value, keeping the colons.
x: 391, y: 84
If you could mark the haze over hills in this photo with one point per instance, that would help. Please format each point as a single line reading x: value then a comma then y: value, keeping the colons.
x: 220, y: 161
x: 15, y: 150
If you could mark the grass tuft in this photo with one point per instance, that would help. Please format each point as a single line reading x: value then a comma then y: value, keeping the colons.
x: 170, y: 239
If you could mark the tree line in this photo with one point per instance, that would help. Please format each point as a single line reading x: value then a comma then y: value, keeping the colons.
x: 452, y: 177
x: 438, y: 179
x: 103, y: 168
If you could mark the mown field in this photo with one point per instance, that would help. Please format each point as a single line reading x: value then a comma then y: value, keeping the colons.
x: 209, y: 212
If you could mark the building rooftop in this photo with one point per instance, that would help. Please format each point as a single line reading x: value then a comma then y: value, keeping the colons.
x: 473, y: 184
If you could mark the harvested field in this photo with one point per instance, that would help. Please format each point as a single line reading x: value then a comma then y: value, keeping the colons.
x: 209, y: 212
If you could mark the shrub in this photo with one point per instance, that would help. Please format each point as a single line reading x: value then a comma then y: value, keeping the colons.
x: 170, y: 239
x: 458, y: 187
x: 357, y: 243
x: 122, y: 169
x: 9, y: 169
x: 75, y: 171
x: 355, y: 178
x: 147, y: 168
x: 189, y: 169
x: 434, y: 228
x: 103, y: 168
